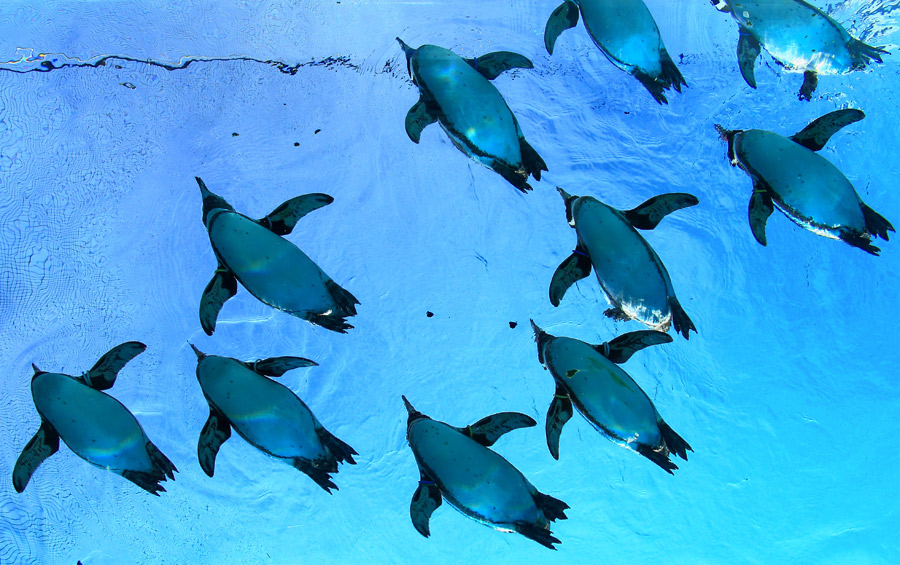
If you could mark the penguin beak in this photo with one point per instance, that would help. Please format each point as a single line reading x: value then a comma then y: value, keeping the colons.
x: 409, y: 407
x: 537, y: 331
x: 408, y: 51
x: 727, y: 135
x: 36, y: 371
x: 200, y: 354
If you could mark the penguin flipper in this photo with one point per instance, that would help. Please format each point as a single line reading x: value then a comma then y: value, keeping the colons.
x: 648, y: 215
x: 492, y: 65
x: 810, y: 82
x: 216, y: 431
x: 281, y: 220
x: 221, y: 287
x: 660, y: 456
x: 277, y: 366
x: 340, y: 450
x: 621, y: 349
x: 574, y: 268
x: 44, y: 444
x: 761, y: 207
x: 488, y: 430
x: 819, y: 131
x: 425, y: 501
x: 564, y: 17
x: 674, y: 442
x: 747, y: 51
x: 558, y: 414
x: 417, y: 119
x: 876, y: 224
x: 541, y: 535
x: 103, y: 374
x: 320, y: 476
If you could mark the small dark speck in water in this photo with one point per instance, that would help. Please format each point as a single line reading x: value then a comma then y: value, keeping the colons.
x: 296, y: 144
x: 118, y: 66
x: 429, y: 314
x: 235, y: 134
x: 626, y: 113
x: 512, y: 325
x: 317, y: 131
x: 128, y: 85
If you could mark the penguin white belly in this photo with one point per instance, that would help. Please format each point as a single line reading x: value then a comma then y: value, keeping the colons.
x: 94, y: 425
x: 476, y: 479
x: 807, y: 183
x: 471, y: 105
x: 797, y: 35
x: 270, y: 267
x: 626, y: 267
x: 265, y: 413
x: 606, y: 395
x: 626, y: 32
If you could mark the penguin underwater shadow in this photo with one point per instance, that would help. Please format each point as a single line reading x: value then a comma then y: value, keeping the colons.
x: 96, y: 427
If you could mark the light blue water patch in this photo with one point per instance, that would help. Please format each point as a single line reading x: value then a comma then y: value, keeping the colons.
x: 788, y: 393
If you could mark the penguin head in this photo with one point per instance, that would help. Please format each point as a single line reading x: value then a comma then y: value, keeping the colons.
x: 409, y: 52
x: 413, y: 413
x: 541, y: 338
x: 200, y: 354
x: 211, y: 202
x: 570, y: 205
x: 727, y: 135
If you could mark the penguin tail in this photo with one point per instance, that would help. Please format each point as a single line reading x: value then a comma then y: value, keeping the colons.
x: 660, y: 456
x: 861, y: 54
x: 340, y: 450
x: 674, y: 442
x: 553, y: 508
x: 876, y: 224
x: 541, y: 535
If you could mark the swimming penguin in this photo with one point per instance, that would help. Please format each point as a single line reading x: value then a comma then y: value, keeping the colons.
x: 788, y: 173
x: 629, y: 271
x: 626, y: 33
x: 271, y: 268
x: 799, y: 36
x: 589, y: 377
x: 96, y: 426
x: 456, y: 464
x: 457, y: 93
x: 266, y: 414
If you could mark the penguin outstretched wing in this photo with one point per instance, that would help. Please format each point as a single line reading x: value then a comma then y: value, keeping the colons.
x: 44, y: 444
x: 102, y: 375
x: 425, y: 501
x: 488, y: 430
x: 281, y: 220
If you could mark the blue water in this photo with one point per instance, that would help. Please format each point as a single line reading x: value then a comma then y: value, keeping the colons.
x: 788, y: 393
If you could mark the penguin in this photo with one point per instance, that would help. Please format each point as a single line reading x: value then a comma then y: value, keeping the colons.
x: 627, y: 34
x: 789, y: 174
x: 455, y: 464
x: 96, y: 426
x: 799, y: 36
x: 589, y: 377
x: 629, y: 271
x: 457, y: 93
x: 271, y: 268
x: 271, y: 418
